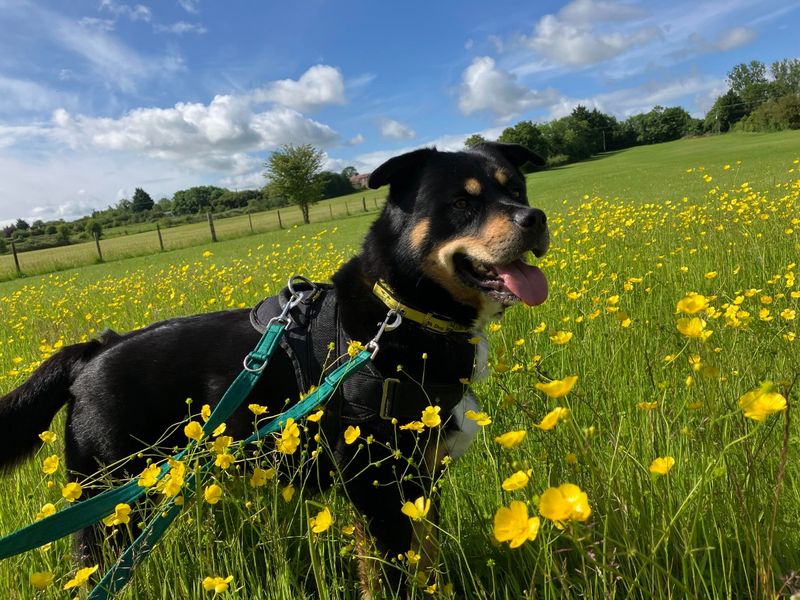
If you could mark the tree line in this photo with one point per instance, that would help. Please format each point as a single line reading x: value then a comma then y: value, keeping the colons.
x: 758, y: 98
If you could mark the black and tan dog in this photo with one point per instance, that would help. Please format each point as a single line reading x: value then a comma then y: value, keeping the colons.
x: 449, y: 243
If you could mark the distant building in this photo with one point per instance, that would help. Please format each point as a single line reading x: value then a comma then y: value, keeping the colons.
x: 360, y: 180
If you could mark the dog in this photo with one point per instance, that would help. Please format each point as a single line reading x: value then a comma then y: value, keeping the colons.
x: 448, y: 245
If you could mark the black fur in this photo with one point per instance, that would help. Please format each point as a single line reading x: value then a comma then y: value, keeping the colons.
x: 128, y: 390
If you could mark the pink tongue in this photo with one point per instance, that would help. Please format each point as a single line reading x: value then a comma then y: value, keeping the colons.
x: 526, y: 282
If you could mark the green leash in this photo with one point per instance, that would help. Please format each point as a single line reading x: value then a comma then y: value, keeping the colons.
x: 92, y: 510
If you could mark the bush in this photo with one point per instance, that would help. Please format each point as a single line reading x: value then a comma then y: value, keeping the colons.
x: 557, y: 160
x: 774, y: 115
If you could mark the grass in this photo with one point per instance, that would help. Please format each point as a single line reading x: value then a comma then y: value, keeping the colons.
x: 633, y: 233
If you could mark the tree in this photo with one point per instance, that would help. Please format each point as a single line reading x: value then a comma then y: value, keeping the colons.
x: 195, y: 199
x: 349, y: 172
x: 63, y: 233
x: 750, y: 82
x: 94, y: 228
x: 141, y: 201
x: 474, y: 140
x: 727, y: 111
x: 294, y: 172
x: 22, y: 225
x: 335, y: 184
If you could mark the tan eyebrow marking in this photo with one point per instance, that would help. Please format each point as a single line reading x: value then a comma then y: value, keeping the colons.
x: 501, y: 176
x: 472, y: 186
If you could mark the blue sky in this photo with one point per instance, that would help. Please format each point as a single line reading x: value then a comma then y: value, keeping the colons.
x: 100, y: 97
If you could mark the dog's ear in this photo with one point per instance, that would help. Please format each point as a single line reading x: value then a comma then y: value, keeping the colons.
x: 516, y: 154
x: 399, y: 166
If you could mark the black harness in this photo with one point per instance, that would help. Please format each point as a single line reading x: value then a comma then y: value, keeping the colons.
x: 314, y: 340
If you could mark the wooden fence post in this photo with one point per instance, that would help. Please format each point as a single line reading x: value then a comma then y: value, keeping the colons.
x: 97, y: 243
x: 16, y: 258
x: 280, y: 223
x: 364, y: 203
x: 347, y: 207
x: 375, y: 200
x: 330, y: 210
x: 211, y: 227
x: 250, y: 219
x: 160, y: 239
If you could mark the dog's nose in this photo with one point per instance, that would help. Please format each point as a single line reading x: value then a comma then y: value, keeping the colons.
x: 530, y: 218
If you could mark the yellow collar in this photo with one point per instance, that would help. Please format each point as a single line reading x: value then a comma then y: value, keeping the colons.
x: 428, y: 320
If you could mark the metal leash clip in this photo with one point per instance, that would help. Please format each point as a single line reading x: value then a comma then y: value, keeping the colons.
x: 372, y: 345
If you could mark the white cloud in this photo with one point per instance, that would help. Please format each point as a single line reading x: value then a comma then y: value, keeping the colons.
x: 317, y: 87
x: 573, y: 37
x: 99, y: 24
x: 137, y: 12
x: 484, y: 86
x: 395, y: 130
x: 181, y: 27
x: 625, y: 102
x: 189, y: 6
x: 355, y: 140
x: 22, y: 95
x: 727, y: 40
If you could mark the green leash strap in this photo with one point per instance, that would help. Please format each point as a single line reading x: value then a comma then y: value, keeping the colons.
x: 118, y: 576
x: 92, y: 510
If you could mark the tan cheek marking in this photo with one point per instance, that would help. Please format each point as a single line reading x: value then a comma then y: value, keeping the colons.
x: 501, y: 176
x: 418, y: 233
x: 438, y: 265
x: 473, y: 186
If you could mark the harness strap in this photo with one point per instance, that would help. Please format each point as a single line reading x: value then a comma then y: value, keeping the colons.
x: 116, y: 578
x: 90, y: 511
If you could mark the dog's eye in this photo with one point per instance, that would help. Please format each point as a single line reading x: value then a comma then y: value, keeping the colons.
x: 461, y: 204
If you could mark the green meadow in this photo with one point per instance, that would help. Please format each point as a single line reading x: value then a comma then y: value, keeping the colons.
x: 713, y: 222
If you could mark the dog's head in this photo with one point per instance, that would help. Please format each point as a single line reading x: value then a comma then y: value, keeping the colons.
x: 462, y: 220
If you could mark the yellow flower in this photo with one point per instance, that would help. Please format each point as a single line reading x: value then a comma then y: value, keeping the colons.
x: 412, y: 557
x: 261, y: 476
x: 81, y: 577
x: 50, y: 464
x: 494, y: 327
x: 710, y: 275
x: 290, y: 437
x: 417, y: 426
x: 207, y: 253
x: 692, y: 304
x: 288, y: 493
x: 224, y: 460
x: 517, y: 481
x: 540, y: 328
x: 193, y: 431
x: 172, y: 482
x: 762, y: 402
x: 149, y: 476
x: 553, y: 417
x: 212, y: 493
x: 218, y: 585
x: 647, y: 405
x: 41, y: 579
x: 354, y: 347
x: 788, y: 314
x: 511, y: 439
x: 219, y: 430
x: 566, y: 502
x: 418, y: 509
x: 430, y: 416
x: 571, y: 458
x: 48, y: 437
x: 205, y: 412
x: 322, y: 521
x: 558, y: 388
x: 481, y: 418
x: 559, y: 338
x: 72, y: 491
x: 47, y: 510
x: 662, y: 465
x: 219, y: 445
x: 351, y: 434
x: 120, y: 516
x: 513, y: 525
x: 257, y: 409
x: 315, y: 417
x: 693, y: 328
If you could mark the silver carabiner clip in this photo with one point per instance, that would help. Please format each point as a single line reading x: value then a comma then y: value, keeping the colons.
x: 385, y: 326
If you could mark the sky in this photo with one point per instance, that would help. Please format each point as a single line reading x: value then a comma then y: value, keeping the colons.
x: 99, y: 97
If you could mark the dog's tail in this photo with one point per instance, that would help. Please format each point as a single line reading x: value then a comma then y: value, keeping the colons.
x: 27, y: 411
